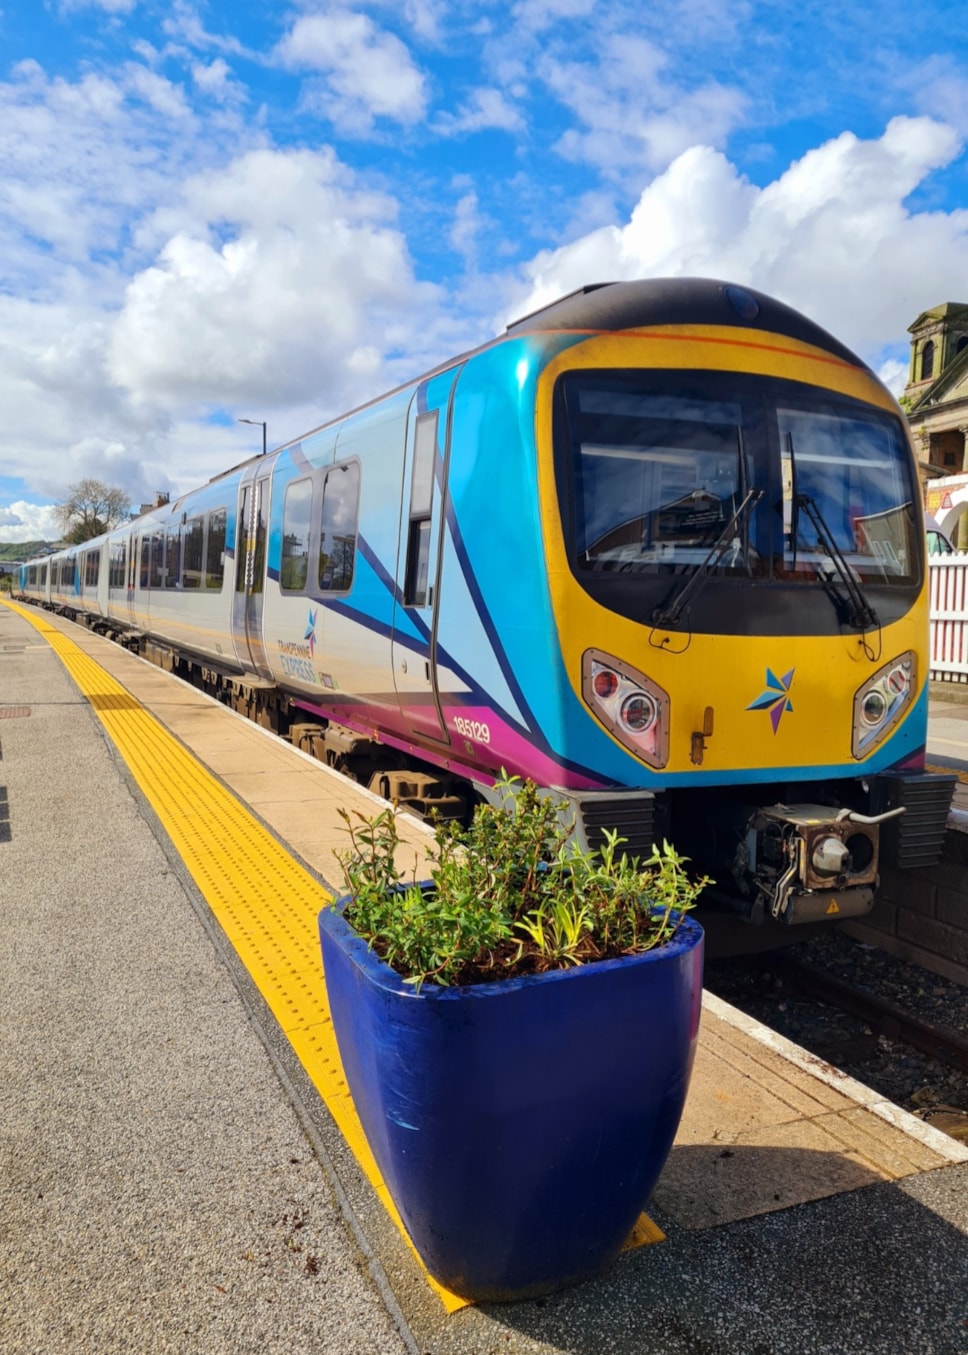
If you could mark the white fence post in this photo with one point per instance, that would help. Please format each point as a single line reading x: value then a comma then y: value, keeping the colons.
x: 948, y: 576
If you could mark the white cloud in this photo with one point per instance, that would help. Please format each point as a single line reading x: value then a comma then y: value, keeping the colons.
x: 633, y: 113
x: 538, y: 15
x: 159, y: 93
x: 109, y: 6
x: 23, y: 521
x: 368, y: 72
x: 485, y: 108
x: 278, y: 276
x: 831, y: 236
x: 894, y: 374
x: 216, y: 80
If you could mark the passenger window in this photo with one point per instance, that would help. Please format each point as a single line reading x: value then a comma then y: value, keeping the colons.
x: 193, y: 553
x: 215, y: 549
x: 296, y: 517
x: 144, y: 578
x: 92, y: 562
x: 338, y: 525
x: 117, y: 564
x: 157, y: 560
x: 173, y: 560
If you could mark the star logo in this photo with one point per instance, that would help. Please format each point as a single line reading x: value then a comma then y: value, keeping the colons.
x: 776, y: 698
x: 311, y: 633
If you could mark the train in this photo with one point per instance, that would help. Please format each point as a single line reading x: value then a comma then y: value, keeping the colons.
x: 659, y: 547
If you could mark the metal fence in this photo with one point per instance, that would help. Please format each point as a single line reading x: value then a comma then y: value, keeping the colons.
x: 949, y: 617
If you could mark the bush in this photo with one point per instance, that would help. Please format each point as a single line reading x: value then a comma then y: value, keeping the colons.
x: 510, y: 895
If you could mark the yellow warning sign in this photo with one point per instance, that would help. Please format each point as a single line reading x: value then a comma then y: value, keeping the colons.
x: 834, y: 907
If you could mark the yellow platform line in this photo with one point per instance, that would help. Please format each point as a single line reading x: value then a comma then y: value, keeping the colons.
x: 264, y: 901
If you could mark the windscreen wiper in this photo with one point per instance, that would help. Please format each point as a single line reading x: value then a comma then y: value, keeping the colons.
x: 857, y: 611
x: 669, y: 614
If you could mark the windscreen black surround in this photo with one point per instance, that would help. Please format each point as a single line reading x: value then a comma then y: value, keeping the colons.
x: 769, y: 487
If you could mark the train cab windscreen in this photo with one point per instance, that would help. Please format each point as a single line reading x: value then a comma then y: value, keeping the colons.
x: 669, y: 473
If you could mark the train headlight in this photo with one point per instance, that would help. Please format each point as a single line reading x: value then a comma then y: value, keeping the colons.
x: 881, y: 702
x: 638, y: 713
x: 630, y: 705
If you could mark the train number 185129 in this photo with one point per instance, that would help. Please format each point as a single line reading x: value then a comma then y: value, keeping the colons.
x: 472, y: 729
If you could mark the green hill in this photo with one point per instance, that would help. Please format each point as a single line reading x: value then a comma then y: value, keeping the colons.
x: 21, y: 550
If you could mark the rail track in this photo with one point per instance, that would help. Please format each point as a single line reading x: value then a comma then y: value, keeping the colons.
x: 890, y: 1024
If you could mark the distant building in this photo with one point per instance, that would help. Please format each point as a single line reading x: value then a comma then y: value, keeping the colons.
x: 936, y: 401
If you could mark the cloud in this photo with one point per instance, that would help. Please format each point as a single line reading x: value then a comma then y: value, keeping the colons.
x: 484, y: 109
x: 109, y: 6
x: 632, y: 112
x: 281, y: 281
x: 832, y: 236
x: 368, y: 72
x: 23, y: 521
x: 216, y: 80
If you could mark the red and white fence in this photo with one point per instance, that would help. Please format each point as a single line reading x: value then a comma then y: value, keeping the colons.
x: 949, y: 617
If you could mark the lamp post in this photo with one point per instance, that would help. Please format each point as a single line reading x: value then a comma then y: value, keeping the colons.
x: 257, y: 423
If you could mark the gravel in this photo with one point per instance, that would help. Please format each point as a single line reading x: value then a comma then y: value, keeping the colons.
x: 919, y: 1083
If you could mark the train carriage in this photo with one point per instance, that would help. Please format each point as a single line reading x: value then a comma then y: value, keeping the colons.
x: 658, y: 547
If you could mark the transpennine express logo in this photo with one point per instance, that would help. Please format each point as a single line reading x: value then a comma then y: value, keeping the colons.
x: 776, y: 698
x: 310, y: 635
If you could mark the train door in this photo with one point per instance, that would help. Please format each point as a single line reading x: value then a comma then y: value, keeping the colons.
x: 414, y: 641
x: 131, y: 546
x: 251, y: 539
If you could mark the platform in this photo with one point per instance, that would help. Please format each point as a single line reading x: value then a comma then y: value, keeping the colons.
x: 181, y: 1165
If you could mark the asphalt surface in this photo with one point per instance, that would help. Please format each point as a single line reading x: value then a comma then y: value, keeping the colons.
x: 169, y: 1183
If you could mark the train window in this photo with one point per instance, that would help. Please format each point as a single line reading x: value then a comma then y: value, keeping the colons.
x: 416, y: 588
x: 242, y: 539
x: 261, y: 525
x: 157, y: 560
x: 117, y: 564
x: 845, y: 478
x: 144, y: 574
x: 338, y: 525
x: 215, y: 549
x: 173, y: 557
x: 193, y: 553
x: 424, y: 456
x: 43, y: 576
x: 31, y: 576
x: 658, y: 477
x: 416, y: 584
x: 296, y: 517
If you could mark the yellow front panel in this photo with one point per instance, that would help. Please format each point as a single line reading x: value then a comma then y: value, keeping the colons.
x: 814, y: 677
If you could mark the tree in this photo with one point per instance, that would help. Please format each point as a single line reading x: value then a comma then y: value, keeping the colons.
x: 91, y: 507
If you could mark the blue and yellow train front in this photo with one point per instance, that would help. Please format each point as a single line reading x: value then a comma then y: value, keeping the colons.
x: 734, y: 545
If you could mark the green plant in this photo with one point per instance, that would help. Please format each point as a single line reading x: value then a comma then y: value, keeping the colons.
x: 512, y: 894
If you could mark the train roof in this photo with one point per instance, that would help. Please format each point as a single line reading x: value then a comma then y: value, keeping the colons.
x: 677, y: 301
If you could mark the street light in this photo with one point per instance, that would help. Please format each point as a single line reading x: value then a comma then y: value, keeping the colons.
x: 257, y: 423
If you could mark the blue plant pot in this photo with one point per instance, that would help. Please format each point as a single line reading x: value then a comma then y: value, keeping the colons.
x: 520, y: 1126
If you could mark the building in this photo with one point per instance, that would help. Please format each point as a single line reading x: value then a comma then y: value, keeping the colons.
x: 936, y: 401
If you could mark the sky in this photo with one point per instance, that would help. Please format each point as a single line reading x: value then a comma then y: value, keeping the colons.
x: 226, y: 211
